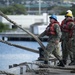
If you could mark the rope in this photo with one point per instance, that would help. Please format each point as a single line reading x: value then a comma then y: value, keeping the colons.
x: 36, y: 38
x: 3, y: 72
x: 18, y: 46
x: 46, y: 70
x: 46, y: 66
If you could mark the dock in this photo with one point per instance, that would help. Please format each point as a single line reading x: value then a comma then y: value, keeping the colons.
x: 45, y: 70
x: 19, y: 36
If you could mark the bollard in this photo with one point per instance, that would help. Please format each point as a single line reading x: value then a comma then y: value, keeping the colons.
x: 41, y: 53
x: 10, y: 66
x: 21, y: 70
x: 41, y: 56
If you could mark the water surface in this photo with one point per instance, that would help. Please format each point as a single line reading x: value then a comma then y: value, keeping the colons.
x: 10, y: 55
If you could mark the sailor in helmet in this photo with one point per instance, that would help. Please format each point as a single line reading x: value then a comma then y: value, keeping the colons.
x: 66, y: 28
x: 53, y: 32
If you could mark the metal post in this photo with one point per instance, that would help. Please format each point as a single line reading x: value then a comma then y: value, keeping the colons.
x: 39, y: 7
x: 41, y: 53
x: 21, y: 70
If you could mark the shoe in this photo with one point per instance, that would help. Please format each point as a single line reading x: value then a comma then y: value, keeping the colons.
x: 61, y: 64
x: 45, y: 62
x: 73, y: 71
x: 64, y: 61
x: 72, y: 63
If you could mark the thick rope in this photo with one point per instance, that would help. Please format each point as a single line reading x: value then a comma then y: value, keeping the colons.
x: 4, y: 72
x: 35, y: 37
x: 47, y: 66
x: 22, y: 47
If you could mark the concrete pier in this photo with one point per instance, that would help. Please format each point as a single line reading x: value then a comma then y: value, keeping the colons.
x: 19, y: 37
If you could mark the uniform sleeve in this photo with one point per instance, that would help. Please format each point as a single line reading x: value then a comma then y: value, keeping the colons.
x: 71, y: 25
x: 58, y: 31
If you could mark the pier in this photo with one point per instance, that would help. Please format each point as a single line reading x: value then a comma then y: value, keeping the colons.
x: 19, y: 36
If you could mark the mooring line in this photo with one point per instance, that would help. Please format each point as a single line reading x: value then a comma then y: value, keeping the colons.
x: 19, y: 46
x: 35, y: 37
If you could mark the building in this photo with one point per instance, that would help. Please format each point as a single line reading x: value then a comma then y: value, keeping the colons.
x: 26, y: 21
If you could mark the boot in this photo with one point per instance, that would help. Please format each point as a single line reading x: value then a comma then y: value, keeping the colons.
x: 72, y: 63
x: 61, y: 63
x: 64, y: 61
x: 45, y: 62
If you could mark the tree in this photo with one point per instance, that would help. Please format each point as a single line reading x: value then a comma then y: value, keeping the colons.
x: 18, y: 9
x: 15, y: 9
x: 3, y: 27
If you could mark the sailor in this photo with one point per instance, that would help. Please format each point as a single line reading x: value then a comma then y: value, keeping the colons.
x: 66, y: 28
x: 53, y: 31
x: 68, y: 11
x: 72, y: 45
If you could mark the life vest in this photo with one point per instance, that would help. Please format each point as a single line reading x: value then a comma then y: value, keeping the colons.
x: 65, y: 27
x: 50, y: 29
x: 62, y: 23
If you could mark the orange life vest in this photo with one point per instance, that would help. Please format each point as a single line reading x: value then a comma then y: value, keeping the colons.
x: 65, y: 27
x: 50, y: 29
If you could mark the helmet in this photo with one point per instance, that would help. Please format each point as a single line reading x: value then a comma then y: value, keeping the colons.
x: 69, y: 15
x: 53, y: 17
x: 68, y: 11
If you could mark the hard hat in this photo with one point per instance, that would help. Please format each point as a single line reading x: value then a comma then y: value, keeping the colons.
x: 69, y: 15
x: 53, y: 17
x: 68, y: 11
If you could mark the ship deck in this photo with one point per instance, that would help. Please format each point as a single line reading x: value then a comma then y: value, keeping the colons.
x: 52, y: 71
x: 68, y: 70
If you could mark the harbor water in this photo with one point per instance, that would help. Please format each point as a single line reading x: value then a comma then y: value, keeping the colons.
x: 10, y: 55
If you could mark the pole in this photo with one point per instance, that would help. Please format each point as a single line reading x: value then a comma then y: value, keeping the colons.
x: 39, y: 7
